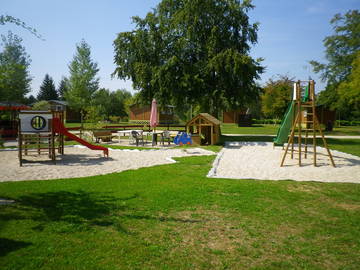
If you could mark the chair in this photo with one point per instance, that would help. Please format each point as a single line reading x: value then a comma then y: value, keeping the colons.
x: 166, y: 136
x: 137, y: 137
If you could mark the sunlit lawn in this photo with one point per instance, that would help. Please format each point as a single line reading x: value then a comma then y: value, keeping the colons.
x: 174, y: 217
x: 272, y: 130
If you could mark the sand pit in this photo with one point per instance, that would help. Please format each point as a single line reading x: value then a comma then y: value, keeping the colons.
x: 258, y: 160
x: 80, y: 161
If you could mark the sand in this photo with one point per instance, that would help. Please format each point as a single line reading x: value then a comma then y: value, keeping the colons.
x: 259, y: 160
x: 237, y: 160
x: 80, y: 161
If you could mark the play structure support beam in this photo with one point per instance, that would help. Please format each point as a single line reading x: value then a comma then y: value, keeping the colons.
x: 304, y: 102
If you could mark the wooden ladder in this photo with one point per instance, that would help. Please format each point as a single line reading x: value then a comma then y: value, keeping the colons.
x: 312, y: 126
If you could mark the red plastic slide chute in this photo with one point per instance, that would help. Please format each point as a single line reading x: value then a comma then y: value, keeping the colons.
x: 59, y: 128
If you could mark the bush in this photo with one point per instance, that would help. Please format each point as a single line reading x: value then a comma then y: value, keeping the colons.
x: 114, y: 119
x: 347, y: 123
x: 266, y: 121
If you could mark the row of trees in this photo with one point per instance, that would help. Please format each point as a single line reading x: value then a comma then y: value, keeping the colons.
x: 195, y: 54
x: 81, y: 90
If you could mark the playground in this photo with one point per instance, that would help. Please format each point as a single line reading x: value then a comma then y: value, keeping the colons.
x: 174, y: 203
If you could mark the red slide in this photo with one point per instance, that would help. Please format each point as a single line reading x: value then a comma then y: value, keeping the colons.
x: 59, y: 128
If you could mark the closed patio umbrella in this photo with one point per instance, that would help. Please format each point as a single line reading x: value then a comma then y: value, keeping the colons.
x: 153, y: 114
x: 153, y: 119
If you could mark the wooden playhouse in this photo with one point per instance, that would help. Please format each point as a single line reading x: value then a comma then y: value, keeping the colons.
x: 204, y: 129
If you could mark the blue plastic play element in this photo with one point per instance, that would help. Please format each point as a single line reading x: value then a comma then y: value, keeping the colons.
x: 182, y: 138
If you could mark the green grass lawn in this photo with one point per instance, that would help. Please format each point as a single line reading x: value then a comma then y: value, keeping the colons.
x: 272, y: 130
x: 173, y: 217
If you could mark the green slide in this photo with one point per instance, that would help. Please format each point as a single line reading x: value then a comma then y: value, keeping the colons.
x: 285, y: 127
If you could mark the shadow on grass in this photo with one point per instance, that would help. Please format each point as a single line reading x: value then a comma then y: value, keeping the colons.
x: 68, y: 211
x: 8, y: 245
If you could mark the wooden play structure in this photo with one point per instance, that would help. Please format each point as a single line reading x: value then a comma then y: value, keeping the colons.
x: 304, y: 123
x: 35, y: 134
x: 43, y: 132
x: 204, y: 129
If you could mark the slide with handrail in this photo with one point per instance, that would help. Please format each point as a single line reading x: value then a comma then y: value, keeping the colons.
x: 285, y: 126
x: 60, y: 128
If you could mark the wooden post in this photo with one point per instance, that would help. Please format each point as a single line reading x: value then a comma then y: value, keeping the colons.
x: 312, y: 95
x: 324, y: 141
x: 290, y: 140
x: 212, y: 135
x: 306, y: 136
x: 298, y: 97
x: 19, y: 144
x: 38, y: 143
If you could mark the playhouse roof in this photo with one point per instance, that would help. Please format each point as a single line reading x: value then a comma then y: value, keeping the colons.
x: 207, y: 117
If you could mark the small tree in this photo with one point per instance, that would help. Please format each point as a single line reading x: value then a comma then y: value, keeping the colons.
x: 63, y: 88
x: 83, y: 82
x: 14, y: 69
x: 112, y: 103
x: 276, y: 97
x: 42, y: 105
x: 47, y: 89
x: 30, y: 100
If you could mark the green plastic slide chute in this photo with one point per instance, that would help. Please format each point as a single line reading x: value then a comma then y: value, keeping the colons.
x: 306, y: 94
x: 285, y: 127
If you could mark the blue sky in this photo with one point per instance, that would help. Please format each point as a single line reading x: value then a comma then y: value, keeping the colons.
x: 290, y: 34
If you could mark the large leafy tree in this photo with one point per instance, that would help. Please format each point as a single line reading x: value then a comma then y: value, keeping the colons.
x: 276, y: 96
x: 341, y: 50
x: 14, y: 69
x: 47, y: 89
x: 349, y: 90
x: 83, y: 80
x: 191, y: 52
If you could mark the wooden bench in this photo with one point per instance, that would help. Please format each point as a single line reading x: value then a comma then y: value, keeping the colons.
x: 105, y: 136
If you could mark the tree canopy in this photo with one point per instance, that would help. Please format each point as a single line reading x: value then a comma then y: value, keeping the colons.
x: 342, y: 52
x: 10, y: 19
x: 47, y: 89
x: 191, y: 52
x: 341, y: 47
x: 112, y: 103
x: 276, y: 97
x: 349, y: 89
x: 14, y: 69
x: 83, y: 82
